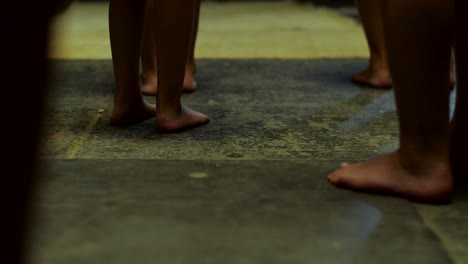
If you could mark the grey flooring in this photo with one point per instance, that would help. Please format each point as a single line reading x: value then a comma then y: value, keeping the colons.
x: 250, y: 187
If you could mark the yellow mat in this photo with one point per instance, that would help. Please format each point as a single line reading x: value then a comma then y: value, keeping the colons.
x: 227, y: 30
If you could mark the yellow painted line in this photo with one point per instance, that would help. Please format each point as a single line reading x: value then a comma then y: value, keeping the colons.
x: 77, y: 144
x: 237, y: 30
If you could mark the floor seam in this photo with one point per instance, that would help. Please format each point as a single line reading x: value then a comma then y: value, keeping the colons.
x: 77, y: 144
x: 434, y: 232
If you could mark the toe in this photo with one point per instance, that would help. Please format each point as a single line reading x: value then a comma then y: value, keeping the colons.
x: 344, y: 165
x: 333, y: 178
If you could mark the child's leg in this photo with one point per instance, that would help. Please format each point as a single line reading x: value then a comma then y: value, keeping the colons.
x: 189, y: 81
x: 126, y: 23
x: 174, y: 26
x: 377, y: 74
x: 148, y: 53
x: 148, y: 56
x: 459, y: 138
x: 420, y: 169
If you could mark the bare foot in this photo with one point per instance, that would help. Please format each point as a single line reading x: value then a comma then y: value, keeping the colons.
x: 127, y: 115
x: 186, y: 119
x: 385, y: 175
x: 381, y: 79
x: 190, y: 85
x: 374, y: 78
x: 149, y: 84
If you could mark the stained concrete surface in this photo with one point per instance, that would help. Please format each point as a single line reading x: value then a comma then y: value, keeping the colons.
x: 259, y: 109
x: 250, y: 187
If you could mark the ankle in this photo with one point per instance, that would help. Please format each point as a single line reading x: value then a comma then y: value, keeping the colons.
x: 379, y: 68
x: 378, y: 63
x: 191, y: 67
x: 128, y: 102
x: 420, y: 162
x: 169, y: 112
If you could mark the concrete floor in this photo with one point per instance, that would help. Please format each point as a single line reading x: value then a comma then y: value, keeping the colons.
x: 250, y: 187
x: 202, y: 211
